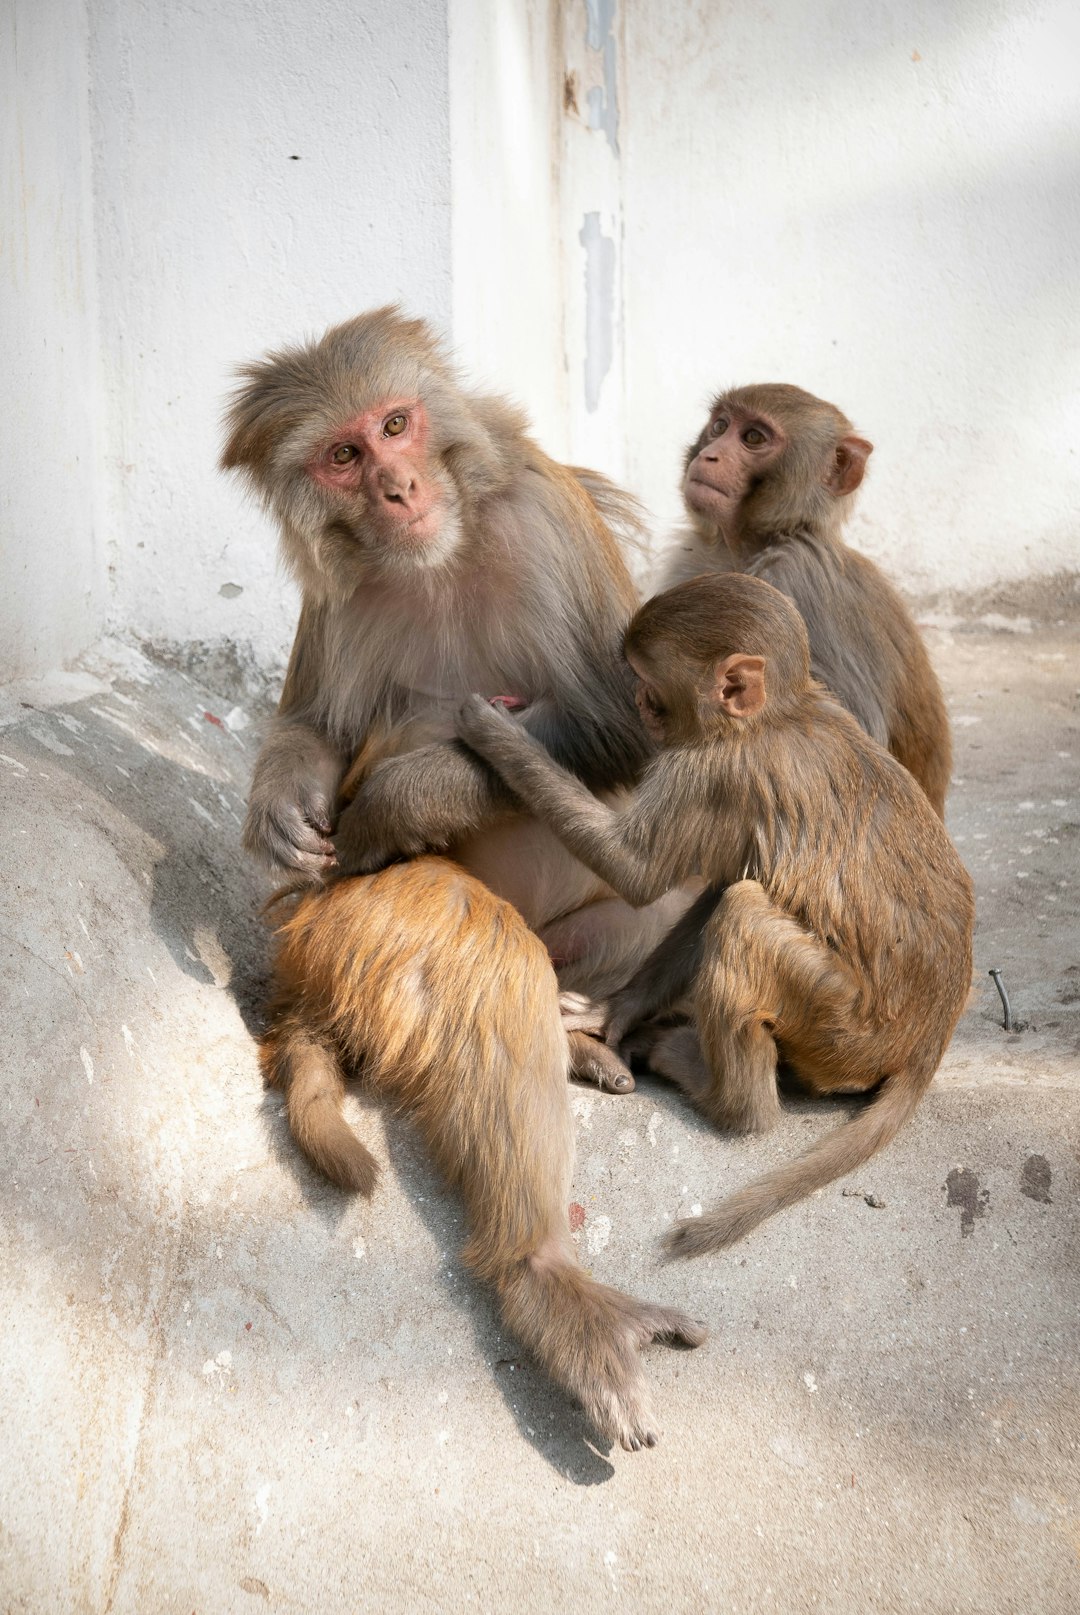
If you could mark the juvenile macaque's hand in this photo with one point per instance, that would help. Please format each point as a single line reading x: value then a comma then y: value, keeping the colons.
x: 480, y: 722
x: 625, y: 1011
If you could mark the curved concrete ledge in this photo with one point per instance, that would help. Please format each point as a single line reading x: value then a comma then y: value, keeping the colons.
x: 225, y: 1386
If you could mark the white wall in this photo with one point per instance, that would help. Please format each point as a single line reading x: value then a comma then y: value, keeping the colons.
x: 214, y: 244
x: 508, y: 265
x: 613, y: 206
x: 881, y: 203
x: 52, y: 583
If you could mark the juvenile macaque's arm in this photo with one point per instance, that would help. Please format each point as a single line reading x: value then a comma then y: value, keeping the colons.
x: 616, y: 846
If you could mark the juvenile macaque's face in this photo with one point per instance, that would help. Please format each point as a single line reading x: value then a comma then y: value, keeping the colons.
x: 735, y: 450
x: 390, y: 483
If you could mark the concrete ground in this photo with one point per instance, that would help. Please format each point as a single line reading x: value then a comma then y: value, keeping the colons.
x: 226, y: 1386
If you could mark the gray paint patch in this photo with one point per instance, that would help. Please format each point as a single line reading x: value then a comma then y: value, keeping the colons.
x: 603, y: 104
x: 1035, y: 1179
x: 599, y: 307
x: 963, y: 1191
x: 229, y: 591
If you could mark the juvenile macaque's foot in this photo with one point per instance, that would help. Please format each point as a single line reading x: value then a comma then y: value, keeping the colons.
x: 593, y: 1062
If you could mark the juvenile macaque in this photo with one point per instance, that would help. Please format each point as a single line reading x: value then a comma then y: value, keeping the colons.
x: 768, y: 487
x: 842, y: 938
x: 439, y: 551
x: 435, y: 991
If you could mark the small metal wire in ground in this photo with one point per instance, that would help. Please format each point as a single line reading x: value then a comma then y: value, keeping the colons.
x: 1003, y: 995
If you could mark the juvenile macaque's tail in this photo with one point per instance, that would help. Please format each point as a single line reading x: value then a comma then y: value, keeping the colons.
x: 838, y: 1152
x: 309, y: 1074
x: 436, y: 989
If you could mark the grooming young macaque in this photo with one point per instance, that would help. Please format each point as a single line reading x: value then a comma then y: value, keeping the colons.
x: 768, y: 487
x: 842, y: 938
x: 439, y: 551
x: 436, y: 992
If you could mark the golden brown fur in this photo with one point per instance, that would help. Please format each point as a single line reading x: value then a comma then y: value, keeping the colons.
x: 784, y: 520
x: 437, y: 994
x: 842, y: 938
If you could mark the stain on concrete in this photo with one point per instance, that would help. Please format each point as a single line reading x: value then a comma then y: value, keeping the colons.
x: 963, y: 1190
x: 229, y: 591
x: 603, y: 102
x: 1035, y: 1179
x: 599, y: 307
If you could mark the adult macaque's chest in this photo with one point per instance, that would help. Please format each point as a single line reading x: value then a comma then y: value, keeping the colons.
x: 411, y: 659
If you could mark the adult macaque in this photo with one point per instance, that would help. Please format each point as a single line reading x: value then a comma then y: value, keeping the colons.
x: 768, y: 487
x: 842, y: 939
x: 436, y: 991
x: 439, y: 551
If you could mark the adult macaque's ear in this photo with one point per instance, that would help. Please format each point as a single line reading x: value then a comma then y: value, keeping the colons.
x: 849, y: 465
x: 254, y: 421
x: 740, y: 685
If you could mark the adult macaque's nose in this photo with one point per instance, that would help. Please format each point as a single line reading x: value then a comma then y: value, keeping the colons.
x: 397, y: 488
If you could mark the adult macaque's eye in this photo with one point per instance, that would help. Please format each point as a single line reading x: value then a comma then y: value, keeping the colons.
x: 753, y: 437
x: 395, y: 426
x: 718, y: 427
x: 344, y: 453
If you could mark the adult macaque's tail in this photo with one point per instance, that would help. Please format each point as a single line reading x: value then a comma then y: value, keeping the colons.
x: 838, y: 1152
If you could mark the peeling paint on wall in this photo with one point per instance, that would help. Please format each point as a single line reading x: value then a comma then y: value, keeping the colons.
x: 603, y: 102
x: 599, y: 307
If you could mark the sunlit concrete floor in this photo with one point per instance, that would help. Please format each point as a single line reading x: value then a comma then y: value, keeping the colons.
x: 225, y: 1386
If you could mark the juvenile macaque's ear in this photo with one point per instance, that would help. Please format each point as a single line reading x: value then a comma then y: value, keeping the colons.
x: 740, y: 685
x: 849, y: 465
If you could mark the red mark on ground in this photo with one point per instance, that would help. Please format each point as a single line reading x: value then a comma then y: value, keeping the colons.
x: 247, y: 1326
x: 210, y: 718
x: 577, y: 1216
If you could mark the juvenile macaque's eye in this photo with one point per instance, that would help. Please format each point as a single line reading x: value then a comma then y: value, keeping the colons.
x: 395, y: 426
x: 718, y: 427
x: 753, y: 437
x: 344, y: 453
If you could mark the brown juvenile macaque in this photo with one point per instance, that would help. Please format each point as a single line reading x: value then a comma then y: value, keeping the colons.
x: 435, y: 991
x: 768, y: 486
x: 842, y: 938
x: 439, y: 551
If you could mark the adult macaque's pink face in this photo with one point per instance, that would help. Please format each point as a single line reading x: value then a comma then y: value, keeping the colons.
x: 381, y: 457
x: 735, y: 449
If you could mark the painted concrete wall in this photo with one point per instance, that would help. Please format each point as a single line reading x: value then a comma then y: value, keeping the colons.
x: 262, y: 171
x: 52, y: 582
x: 882, y: 203
x: 506, y: 155
x: 612, y: 206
